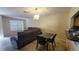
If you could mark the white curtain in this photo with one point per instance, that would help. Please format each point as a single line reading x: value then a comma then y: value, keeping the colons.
x: 16, y: 25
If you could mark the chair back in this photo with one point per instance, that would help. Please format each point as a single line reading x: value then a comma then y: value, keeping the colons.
x: 41, y: 40
x: 52, y: 37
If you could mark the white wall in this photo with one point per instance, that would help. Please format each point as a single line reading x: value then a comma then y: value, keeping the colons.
x: 29, y: 22
x: 1, y: 28
x: 73, y: 11
x: 57, y: 23
x: 6, y: 26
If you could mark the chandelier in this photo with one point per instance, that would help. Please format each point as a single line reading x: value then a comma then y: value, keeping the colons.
x: 36, y: 15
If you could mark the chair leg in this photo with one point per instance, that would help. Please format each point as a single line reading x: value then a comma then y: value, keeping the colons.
x: 47, y: 46
x: 37, y: 46
x: 53, y: 45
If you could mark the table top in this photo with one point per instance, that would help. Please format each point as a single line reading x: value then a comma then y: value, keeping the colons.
x: 46, y: 35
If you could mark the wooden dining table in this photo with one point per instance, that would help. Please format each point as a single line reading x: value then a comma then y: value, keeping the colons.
x: 47, y: 36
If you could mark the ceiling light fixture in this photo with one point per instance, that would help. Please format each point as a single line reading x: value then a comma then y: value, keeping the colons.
x: 36, y: 16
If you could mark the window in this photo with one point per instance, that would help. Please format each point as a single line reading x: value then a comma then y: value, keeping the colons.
x: 16, y: 25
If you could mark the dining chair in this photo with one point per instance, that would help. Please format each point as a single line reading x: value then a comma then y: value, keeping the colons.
x: 41, y: 41
x: 52, y: 41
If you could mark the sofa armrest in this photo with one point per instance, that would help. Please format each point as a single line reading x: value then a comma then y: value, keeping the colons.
x: 14, y: 42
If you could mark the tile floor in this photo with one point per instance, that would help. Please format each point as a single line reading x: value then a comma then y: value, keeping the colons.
x: 61, y: 45
x: 5, y: 45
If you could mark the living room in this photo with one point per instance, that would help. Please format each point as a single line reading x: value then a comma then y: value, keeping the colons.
x: 48, y: 19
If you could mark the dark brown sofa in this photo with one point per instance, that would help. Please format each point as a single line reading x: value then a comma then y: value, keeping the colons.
x: 27, y: 36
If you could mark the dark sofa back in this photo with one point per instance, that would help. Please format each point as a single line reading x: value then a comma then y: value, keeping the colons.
x: 27, y: 36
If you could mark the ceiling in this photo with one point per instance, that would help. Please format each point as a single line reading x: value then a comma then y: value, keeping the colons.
x: 24, y: 12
